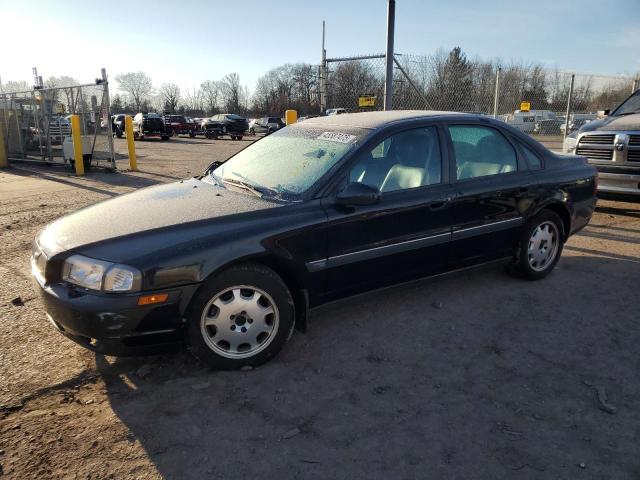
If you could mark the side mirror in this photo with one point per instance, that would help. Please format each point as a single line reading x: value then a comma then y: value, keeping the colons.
x: 358, y: 194
x: 212, y: 167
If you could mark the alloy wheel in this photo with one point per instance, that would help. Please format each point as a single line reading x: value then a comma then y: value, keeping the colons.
x: 239, y: 322
x: 543, y: 246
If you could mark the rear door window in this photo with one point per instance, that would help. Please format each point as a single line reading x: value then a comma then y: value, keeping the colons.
x: 481, y: 151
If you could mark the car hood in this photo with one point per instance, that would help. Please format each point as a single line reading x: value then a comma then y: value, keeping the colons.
x: 624, y: 122
x: 151, y: 208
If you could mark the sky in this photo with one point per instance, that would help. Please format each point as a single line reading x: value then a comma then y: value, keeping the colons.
x: 192, y: 41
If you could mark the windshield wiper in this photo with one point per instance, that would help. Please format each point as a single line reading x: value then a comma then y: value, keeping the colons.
x: 245, y: 185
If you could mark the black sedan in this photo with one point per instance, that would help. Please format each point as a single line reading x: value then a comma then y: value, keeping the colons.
x: 231, y: 261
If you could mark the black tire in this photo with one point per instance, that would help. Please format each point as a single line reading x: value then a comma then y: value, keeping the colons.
x: 118, y: 132
x: 522, y: 265
x: 250, y: 275
x: 192, y: 133
x: 164, y: 138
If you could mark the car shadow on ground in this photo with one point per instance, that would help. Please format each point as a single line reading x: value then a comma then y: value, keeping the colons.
x: 471, y: 375
x: 94, y: 180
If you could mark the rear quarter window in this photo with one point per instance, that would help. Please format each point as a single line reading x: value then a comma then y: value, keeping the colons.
x: 532, y: 158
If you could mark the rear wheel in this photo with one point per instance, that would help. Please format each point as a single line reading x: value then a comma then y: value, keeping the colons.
x: 540, y: 246
x: 243, y: 316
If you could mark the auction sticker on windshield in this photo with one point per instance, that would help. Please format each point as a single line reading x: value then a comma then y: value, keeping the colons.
x: 338, y: 137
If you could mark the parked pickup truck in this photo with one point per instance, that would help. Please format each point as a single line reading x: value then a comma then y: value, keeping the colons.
x: 147, y: 125
x: 178, y: 125
x: 612, y: 145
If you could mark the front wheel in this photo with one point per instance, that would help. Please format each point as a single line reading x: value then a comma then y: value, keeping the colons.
x: 243, y: 316
x: 540, y: 246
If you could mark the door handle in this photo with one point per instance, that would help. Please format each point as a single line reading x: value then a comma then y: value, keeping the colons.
x: 434, y: 207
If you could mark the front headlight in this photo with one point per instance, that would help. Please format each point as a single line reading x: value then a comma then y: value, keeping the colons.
x: 99, y: 275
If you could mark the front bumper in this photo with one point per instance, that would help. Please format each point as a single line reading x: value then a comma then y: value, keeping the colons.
x: 623, y: 183
x: 114, y: 324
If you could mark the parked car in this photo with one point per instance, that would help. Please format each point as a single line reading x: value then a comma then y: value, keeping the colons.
x: 306, y: 117
x: 265, y: 125
x: 232, y: 260
x: 147, y: 125
x: 548, y: 127
x: 225, y: 124
x: 178, y: 125
x: 612, y: 145
x: 577, y: 120
x: 335, y: 111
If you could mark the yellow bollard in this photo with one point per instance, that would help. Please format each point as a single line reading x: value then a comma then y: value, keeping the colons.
x: 128, y: 128
x: 290, y: 116
x: 76, y: 136
x: 3, y: 150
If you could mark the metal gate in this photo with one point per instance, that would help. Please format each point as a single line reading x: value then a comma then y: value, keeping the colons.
x: 37, y: 124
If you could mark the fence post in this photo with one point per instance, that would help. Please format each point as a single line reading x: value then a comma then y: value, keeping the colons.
x: 496, y: 93
x: 388, y: 78
x: 76, y: 135
x: 566, y: 120
x: 107, y: 105
x: 4, y: 162
x: 128, y: 127
x: 634, y: 87
x: 290, y: 117
x: 323, y: 76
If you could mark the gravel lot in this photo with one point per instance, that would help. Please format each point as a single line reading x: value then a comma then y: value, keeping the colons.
x: 471, y: 375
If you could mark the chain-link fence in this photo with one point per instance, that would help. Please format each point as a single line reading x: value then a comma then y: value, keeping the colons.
x: 532, y: 98
x: 37, y: 124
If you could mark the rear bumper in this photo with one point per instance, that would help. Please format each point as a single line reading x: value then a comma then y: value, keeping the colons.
x: 113, y: 324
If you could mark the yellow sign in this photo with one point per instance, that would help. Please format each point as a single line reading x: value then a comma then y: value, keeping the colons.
x: 367, y: 101
x: 525, y: 106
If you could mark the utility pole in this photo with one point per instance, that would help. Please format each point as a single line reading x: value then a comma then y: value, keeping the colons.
x: 388, y: 79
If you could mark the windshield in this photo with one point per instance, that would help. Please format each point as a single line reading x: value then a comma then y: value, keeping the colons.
x: 287, y: 163
x: 630, y: 105
x: 234, y: 117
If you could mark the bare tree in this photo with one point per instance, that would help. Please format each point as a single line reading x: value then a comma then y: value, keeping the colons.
x: 210, y: 90
x: 169, y: 96
x: 14, y: 86
x: 70, y: 99
x: 193, y: 102
x: 137, y: 85
x: 231, y: 92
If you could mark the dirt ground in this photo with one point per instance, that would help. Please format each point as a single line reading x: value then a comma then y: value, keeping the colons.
x: 471, y: 375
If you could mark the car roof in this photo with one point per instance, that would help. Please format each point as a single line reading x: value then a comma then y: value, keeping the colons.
x: 374, y: 120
